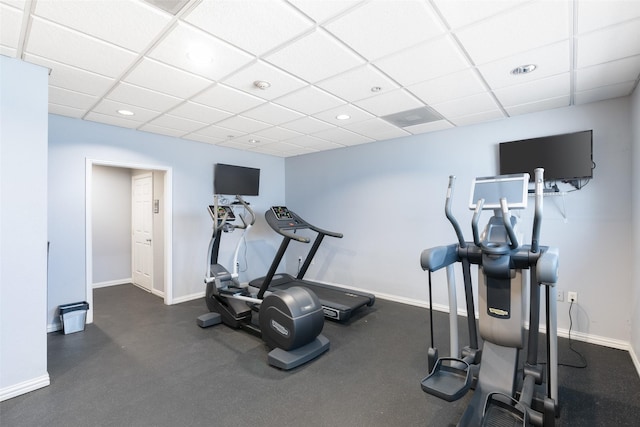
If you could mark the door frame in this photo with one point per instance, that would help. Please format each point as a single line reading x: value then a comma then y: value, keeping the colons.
x: 167, y: 225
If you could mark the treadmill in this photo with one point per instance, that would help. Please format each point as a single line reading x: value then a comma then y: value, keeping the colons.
x: 337, y: 303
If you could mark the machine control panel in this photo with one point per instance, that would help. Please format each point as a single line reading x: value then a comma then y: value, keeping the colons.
x: 282, y: 213
x: 222, y: 211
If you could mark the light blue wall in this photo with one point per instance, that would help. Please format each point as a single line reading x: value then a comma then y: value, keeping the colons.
x: 111, y: 224
x: 71, y: 141
x: 388, y: 200
x: 23, y: 227
x: 635, y: 300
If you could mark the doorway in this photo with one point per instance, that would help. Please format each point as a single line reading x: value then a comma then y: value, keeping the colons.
x: 159, y: 248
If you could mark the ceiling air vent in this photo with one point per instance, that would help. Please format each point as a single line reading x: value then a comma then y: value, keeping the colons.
x: 417, y: 116
x: 171, y: 6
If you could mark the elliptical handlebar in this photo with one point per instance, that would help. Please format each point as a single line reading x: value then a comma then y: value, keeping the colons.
x: 248, y: 209
x: 506, y: 220
x: 449, y: 215
x: 537, y: 219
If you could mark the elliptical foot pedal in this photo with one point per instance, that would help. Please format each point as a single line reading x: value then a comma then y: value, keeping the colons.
x: 448, y: 381
x: 501, y: 410
x: 289, y: 359
x: 209, y: 319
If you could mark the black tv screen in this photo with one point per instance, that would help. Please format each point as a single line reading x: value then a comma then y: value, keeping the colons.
x: 235, y: 180
x: 564, y: 157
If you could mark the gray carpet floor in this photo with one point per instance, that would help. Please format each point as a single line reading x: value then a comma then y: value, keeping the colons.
x: 142, y: 363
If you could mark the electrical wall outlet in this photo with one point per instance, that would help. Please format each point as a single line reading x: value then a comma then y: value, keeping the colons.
x: 559, y: 295
x: 572, y: 297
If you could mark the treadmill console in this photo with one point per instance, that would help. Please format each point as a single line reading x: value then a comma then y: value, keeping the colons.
x: 222, y: 211
x: 281, y: 213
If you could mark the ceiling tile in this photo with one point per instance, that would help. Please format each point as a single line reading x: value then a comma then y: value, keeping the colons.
x: 609, y: 44
x: 307, y: 125
x: 203, y: 138
x: 356, y: 115
x: 255, y: 26
x: 604, y: 92
x: 537, y: 90
x: 165, y: 79
x: 8, y: 51
x: 52, y: 41
x: 200, y: 113
x: 315, y: 57
x: 281, y: 82
x: 185, y: 42
x: 310, y: 100
x: 357, y: 84
x: 228, y: 99
x: 462, y: 12
x: 141, y: 97
x: 343, y: 136
x: 452, y: 86
x: 309, y: 141
x: 64, y: 110
x: 110, y: 108
x: 112, y: 120
x: 472, y: 119
x: 550, y: 60
x: 277, y: 133
x: 429, y: 127
x: 623, y: 70
x: 243, y: 124
x: 381, y: 27
x: 219, y: 132
x: 535, y: 24
x: 10, y: 25
x: 429, y: 60
x: 129, y: 24
x: 236, y: 144
x: 252, y: 139
x: 73, y: 78
x: 177, y: 123
x: 70, y: 98
x: 389, y: 103
x: 162, y: 130
x: 532, y: 107
x: 474, y: 104
x: 321, y: 11
x: 595, y: 14
x: 377, y: 129
x: 273, y: 114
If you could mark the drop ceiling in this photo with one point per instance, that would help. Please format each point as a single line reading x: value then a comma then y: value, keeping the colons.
x: 187, y: 68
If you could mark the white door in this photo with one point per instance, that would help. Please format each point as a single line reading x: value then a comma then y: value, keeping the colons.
x: 142, y: 229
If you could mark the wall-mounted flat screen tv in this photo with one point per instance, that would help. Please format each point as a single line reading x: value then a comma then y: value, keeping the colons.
x: 235, y: 180
x: 567, y: 157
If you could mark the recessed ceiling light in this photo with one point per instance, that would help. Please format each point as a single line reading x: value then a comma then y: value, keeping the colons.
x: 376, y: 89
x: 524, y: 69
x: 343, y: 117
x: 261, y: 84
x: 254, y: 141
x: 126, y: 112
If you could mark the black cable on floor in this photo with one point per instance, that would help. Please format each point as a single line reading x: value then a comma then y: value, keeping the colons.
x: 584, y: 361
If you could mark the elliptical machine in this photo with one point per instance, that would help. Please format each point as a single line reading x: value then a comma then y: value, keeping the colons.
x: 500, y: 398
x: 289, y: 321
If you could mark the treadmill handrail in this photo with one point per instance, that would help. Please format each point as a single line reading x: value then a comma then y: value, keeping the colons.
x: 299, y: 224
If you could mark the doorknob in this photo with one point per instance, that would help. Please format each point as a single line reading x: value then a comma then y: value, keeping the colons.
x: 149, y: 240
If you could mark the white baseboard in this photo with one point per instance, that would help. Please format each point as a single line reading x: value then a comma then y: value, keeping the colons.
x: 24, y: 387
x: 112, y: 283
x: 186, y: 298
x: 634, y: 358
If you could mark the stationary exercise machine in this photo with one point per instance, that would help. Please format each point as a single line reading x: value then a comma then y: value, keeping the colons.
x: 502, y: 396
x: 289, y: 321
x: 337, y: 303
